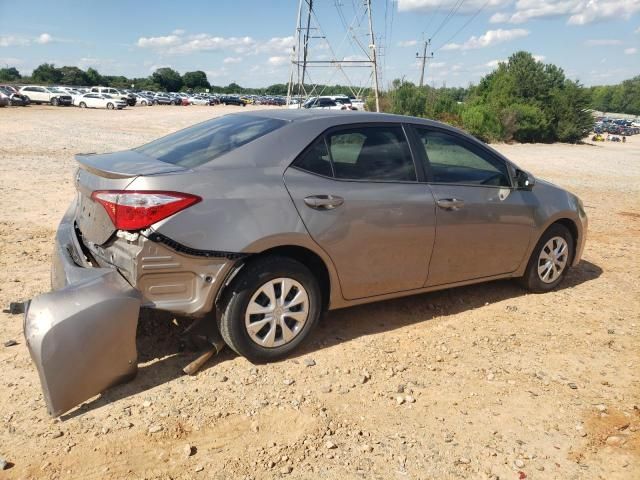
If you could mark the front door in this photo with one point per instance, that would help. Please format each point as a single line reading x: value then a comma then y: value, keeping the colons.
x: 357, y: 194
x: 483, y: 224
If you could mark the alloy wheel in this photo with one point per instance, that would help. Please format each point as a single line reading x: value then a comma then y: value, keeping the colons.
x: 277, y: 312
x: 552, y: 259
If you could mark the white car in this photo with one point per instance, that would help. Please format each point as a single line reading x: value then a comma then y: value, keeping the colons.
x: 198, y: 101
x: 325, y: 103
x: 38, y: 94
x: 143, y: 100
x: 97, y: 100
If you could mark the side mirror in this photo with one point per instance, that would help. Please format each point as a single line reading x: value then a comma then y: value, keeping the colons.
x: 524, y: 180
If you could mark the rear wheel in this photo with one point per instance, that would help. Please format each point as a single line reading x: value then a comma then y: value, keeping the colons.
x: 110, y: 106
x: 269, y: 308
x: 549, y: 260
x: 143, y: 103
x: 82, y: 105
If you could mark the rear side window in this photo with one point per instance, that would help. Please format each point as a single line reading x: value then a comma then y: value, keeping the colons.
x: 371, y: 153
x: 315, y: 159
x: 208, y: 140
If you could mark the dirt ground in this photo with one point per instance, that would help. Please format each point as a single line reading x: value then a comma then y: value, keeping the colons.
x: 477, y: 382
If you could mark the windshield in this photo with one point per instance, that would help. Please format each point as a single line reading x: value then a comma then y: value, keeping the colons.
x: 56, y: 90
x: 208, y: 140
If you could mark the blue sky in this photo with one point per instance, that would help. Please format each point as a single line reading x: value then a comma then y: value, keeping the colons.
x: 249, y: 41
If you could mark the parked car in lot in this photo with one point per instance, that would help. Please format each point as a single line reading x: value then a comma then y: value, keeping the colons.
x: 4, y: 99
x: 128, y: 98
x: 16, y: 99
x: 97, y: 100
x: 39, y: 94
x: 232, y: 100
x: 164, y: 99
x: 143, y: 100
x: 261, y: 221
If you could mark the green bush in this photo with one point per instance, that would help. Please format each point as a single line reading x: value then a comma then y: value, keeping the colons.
x: 530, y: 123
x: 481, y: 122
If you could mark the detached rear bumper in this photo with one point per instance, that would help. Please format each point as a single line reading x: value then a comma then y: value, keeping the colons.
x: 82, y: 335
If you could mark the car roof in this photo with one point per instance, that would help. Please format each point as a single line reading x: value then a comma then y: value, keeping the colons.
x: 343, y: 117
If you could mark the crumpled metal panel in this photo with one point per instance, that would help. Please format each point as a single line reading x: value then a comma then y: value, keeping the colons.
x: 82, y: 338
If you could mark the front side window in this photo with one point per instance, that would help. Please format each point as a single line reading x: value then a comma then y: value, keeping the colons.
x: 371, y: 153
x: 208, y: 140
x: 452, y: 160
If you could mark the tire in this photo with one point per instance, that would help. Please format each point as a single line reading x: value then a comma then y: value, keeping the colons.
x: 82, y: 105
x: 172, y: 102
x: 27, y: 100
x: 143, y: 103
x: 550, y: 242
x: 248, y: 289
x: 54, y: 101
x: 110, y: 106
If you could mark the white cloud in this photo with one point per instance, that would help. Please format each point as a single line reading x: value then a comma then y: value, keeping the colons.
x: 637, y: 30
x: 13, y: 41
x: 539, y: 58
x: 232, y: 60
x: 22, y: 41
x: 277, y: 61
x: 630, y: 51
x: 580, y: 12
x: 407, y: 43
x: 469, y: 6
x: 602, y: 42
x: 44, y: 38
x: 158, y: 42
x: 179, y: 43
x: 488, y: 39
x: 493, y: 64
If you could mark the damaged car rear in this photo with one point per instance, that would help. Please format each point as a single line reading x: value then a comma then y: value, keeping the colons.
x: 259, y: 222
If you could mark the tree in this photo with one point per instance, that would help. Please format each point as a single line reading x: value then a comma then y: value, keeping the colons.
x: 93, y: 77
x: 46, y: 73
x: 196, y: 79
x: 10, y: 74
x: 168, y: 79
x: 73, y: 76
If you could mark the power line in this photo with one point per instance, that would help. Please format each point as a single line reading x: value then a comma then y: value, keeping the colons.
x: 466, y: 24
x: 448, y: 17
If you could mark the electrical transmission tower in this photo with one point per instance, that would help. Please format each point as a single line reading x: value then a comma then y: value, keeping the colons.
x: 424, y: 57
x: 308, y: 29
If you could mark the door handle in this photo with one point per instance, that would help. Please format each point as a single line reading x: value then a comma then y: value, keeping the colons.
x: 323, y: 202
x: 451, y: 204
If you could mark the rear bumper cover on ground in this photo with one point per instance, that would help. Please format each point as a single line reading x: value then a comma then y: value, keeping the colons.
x: 81, y: 336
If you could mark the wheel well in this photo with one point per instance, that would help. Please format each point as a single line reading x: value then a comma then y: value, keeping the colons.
x: 310, y: 260
x: 573, y: 229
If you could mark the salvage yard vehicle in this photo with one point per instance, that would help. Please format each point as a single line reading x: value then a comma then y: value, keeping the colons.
x: 259, y: 222
x: 15, y: 98
x: 96, y: 100
x: 38, y: 94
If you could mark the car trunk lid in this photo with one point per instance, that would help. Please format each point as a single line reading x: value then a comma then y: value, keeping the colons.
x: 110, y: 171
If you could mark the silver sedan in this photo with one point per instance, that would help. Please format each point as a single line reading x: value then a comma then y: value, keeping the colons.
x: 259, y: 222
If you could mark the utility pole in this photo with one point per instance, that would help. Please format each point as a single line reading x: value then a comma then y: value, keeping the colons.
x: 306, y: 45
x: 374, y: 61
x: 424, y: 59
x: 295, y: 53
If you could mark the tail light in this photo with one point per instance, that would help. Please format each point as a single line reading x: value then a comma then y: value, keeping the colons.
x: 136, y: 210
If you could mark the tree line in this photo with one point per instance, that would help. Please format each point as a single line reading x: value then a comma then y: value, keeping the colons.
x: 163, y: 79
x: 522, y: 99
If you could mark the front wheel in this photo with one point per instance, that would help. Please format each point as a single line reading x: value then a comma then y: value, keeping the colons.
x: 54, y: 101
x: 143, y: 103
x: 82, y: 105
x: 110, y: 106
x: 549, y: 260
x: 269, y: 308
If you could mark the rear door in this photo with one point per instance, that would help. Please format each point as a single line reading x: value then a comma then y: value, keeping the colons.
x: 484, y: 225
x: 357, y: 193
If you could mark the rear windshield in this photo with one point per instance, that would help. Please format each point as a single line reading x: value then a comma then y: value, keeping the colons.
x: 208, y: 140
